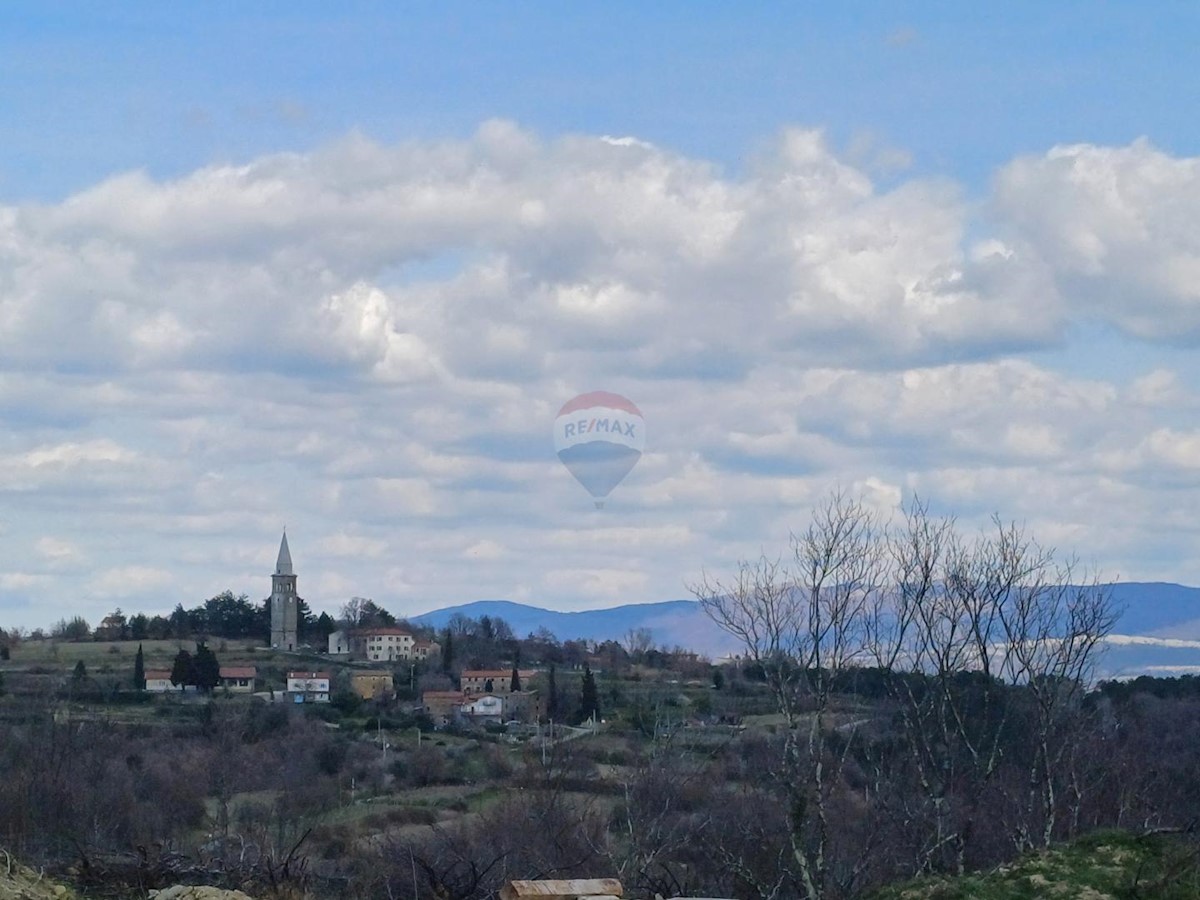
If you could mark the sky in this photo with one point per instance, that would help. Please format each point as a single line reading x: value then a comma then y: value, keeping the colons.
x: 337, y: 267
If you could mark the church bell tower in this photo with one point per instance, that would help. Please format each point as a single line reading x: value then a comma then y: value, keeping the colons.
x: 283, y: 600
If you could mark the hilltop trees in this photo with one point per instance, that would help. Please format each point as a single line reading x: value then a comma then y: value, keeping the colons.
x: 360, y: 612
x: 73, y: 629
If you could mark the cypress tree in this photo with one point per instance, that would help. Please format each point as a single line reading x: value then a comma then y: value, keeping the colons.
x: 139, y: 671
x: 589, y: 699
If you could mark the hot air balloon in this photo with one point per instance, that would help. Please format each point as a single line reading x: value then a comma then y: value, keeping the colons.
x: 599, y: 437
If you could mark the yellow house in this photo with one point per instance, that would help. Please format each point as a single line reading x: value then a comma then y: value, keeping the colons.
x: 371, y: 685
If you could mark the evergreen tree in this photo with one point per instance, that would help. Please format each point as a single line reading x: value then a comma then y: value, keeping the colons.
x: 447, y: 652
x: 516, y: 672
x: 139, y: 671
x: 180, y: 623
x: 552, y: 696
x: 206, y: 669
x: 182, y: 669
x: 324, y: 627
x: 589, y: 699
x: 80, y: 672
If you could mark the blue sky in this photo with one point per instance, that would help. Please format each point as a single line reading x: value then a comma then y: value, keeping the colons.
x: 91, y: 89
x: 338, y: 266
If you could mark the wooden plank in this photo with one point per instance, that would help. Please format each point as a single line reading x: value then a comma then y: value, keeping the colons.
x: 565, y: 889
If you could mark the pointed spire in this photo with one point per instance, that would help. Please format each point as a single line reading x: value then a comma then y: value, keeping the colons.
x: 283, y: 565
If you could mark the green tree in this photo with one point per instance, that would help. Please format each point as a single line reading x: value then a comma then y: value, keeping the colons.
x: 182, y: 670
x: 515, y: 684
x: 323, y: 628
x: 552, y: 695
x: 447, y: 652
x: 306, y: 622
x: 589, y: 697
x: 139, y: 671
x: 139, y: 627
x: 77, y: 629
x: 80, y: 672
x: 181, y: 625
x: 206, y: 669
x: 226, y: 616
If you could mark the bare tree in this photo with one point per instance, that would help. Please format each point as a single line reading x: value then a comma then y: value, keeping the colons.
x: 638, y: 642
x: 986, y: 646
x: 989, y: 646
x: 804, y: 623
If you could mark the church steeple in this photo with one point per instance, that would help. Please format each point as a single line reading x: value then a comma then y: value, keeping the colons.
x: 284, y: 600
x: 283, y: 565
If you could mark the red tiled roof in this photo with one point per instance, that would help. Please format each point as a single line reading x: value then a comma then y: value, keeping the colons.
x: 384, y: 629
x: 239, y: 672
x: 442, y: 695
x: 496, y: 673
x: 157, y: 674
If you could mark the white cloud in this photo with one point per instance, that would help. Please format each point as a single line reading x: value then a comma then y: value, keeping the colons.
x: 370, y: 343
x: 1116, y: 225
x: 57, y: 552
x: 128, y: 581
x: 353, y: 546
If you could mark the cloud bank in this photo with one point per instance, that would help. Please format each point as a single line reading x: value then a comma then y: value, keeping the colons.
x: 369, y: 343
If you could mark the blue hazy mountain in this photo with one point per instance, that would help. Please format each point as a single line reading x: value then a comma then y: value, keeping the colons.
x: 1158, y: 631
x: 1158, y: 609
x: 672, y: 622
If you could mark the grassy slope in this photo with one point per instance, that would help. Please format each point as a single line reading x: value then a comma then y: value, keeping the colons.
x: 1099, y: 867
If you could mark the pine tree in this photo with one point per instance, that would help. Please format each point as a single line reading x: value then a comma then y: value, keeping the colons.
x: 80, y: 672
x: 139, y: 671
x: 515, y: 685
x: 448, y: 652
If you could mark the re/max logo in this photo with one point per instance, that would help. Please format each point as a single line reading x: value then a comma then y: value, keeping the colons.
x: 598, y: 426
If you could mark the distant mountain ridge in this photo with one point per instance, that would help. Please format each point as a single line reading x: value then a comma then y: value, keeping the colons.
x: 1163, y: 620
x: 672, y: 622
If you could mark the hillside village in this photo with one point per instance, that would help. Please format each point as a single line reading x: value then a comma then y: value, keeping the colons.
x: 293, y: 755
x: 366, y: 659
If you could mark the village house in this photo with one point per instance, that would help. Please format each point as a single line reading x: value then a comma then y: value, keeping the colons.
x: 442, y: 706
x: 158, y: 681
x: 238, y: 679
x: 492, y: 681
x: 426, y: 649
x: 485, y: 709
x: 308, y: 687
x: 371, y: 685
x: 387, y: 642
x: 381, y: 643
x: 343, y: 643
